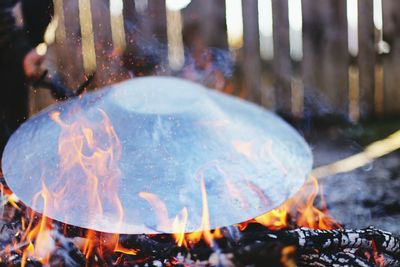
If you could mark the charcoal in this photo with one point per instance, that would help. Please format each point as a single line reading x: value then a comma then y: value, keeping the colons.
x: 339, y: 259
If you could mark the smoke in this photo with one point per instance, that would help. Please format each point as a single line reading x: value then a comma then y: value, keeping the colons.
x: 317, y: 104
x: 146, y: 55
x: 220, y: 60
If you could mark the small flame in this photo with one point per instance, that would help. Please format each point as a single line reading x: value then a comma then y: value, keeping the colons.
x: 179, y: 227
x: 204, y: 231
x: 275, y: 219
x: 121, y: 249
x: 300, y: 208
x: 41, y: 244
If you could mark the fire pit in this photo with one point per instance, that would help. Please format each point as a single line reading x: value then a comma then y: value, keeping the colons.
x: 76, y: 181
x: 274, y: 239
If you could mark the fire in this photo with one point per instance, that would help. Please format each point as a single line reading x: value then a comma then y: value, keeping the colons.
x: 82, y: 149
x: 41, y: 244
x: 121, y: 249
x: 179, y: 227
x: 275, y: 219
x: 204, y: 230
x: 94, y: 149
x: 301, y: 209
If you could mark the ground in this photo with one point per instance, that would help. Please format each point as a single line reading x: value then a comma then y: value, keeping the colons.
x: 366, y: 196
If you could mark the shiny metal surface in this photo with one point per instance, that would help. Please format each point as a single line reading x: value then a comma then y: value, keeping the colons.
x: 146, y: 146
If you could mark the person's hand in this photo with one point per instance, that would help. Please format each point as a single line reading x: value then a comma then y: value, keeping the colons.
x: 33, y: 65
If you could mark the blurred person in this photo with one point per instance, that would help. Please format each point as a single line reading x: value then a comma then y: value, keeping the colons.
x: 209, y: 66
x: 19, y: 61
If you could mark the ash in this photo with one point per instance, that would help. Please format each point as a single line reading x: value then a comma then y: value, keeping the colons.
x: 368, y: 196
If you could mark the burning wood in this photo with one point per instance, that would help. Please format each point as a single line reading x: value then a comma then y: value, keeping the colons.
x: 250, y: 243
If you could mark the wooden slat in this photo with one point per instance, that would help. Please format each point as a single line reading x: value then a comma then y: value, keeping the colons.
x: 251, y: 51
x: 325, y: 57
x: 366, y: 57
x: 103, y: 41
x: 210, y: 17
x: 312, y: 39
x: 86, y: 28
x: 69, y: 45
x: 129, y: 10
x: 391, y: 34
x: 282, y: 61
x: 131, y: 24
x: 158, y: 19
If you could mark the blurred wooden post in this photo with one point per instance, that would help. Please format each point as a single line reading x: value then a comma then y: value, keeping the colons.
x: 214, y: 23
x: 158, y: 19
x: 282, y: 61
x: 87, y: 36
x: 251, y: 51
x: 210, y: 17
x: 130, y: 16
x: 325, y: 56
x: 312, y: 50
x: 366, y: 56
x: 391, y: 62
x: 102, y: 39
x: 129, y: 10
x: 69, y: 43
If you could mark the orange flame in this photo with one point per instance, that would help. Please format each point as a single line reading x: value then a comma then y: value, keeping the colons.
x: 300, y: 208
x: 121, y: 249
x: 41, y: 244
x: 204, y: 231
x: 179, y: 227
x: 94, y: 149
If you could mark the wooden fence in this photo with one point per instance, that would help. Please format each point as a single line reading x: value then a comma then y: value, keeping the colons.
x: 326, y: 79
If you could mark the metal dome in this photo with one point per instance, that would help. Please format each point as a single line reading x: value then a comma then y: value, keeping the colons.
x: 136, y: 156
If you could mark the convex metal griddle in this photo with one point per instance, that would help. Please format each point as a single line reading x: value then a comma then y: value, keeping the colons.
x: 132, y: 157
